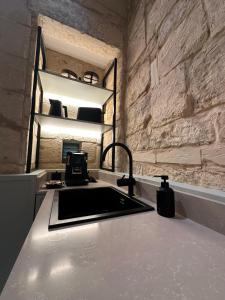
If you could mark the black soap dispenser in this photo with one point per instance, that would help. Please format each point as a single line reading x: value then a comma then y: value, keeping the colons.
x: 165, y: 199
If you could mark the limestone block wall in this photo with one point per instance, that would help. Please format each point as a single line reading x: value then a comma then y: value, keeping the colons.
x: 175, y: 100
x: 103, y: 20
x: 56, y: 62
x: 15, y: 50
x: 51, y: 150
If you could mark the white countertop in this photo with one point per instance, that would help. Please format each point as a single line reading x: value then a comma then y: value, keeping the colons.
x: 141, y: 256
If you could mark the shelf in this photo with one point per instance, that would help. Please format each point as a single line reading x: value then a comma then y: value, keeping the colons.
x: 71, y: 91
x: 71, y: 126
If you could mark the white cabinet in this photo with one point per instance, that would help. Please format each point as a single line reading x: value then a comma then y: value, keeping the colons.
x: 39, y: 197
x: 17, y: 198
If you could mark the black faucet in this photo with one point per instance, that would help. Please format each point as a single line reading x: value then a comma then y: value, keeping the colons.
x: 130, y: 182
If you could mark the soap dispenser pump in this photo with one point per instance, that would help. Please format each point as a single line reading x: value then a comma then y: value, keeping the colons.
x: 165, y: 199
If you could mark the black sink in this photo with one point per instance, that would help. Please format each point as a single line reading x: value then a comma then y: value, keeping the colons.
x: 81, y: 205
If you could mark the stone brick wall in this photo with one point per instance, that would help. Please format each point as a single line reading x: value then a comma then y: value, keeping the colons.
x: 56, y: 62
x: 175, y: 100
x: 15, y: 50
x: 103, y: 20
x: 51, y: 150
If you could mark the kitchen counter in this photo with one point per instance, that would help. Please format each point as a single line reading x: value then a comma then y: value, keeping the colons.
x: 141, y: 256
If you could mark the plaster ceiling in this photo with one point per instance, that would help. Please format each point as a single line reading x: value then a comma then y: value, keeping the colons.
x: 69, y: 41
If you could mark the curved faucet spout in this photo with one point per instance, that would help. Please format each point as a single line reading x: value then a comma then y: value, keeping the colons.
x: 130, y: 181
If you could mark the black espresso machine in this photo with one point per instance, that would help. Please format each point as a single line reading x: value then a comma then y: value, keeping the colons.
x: 76, y: 169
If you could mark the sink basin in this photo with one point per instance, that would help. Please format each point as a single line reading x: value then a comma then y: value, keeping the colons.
x: 81, y: 205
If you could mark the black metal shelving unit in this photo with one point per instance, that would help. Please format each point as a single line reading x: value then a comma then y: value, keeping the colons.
x: 39, y: 116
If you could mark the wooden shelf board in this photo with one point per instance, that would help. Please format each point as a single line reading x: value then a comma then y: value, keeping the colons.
x: 71, y: 124
x: 77, y: 92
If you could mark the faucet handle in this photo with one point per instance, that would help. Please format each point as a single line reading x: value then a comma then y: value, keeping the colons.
x: 123, y: 181
x: 126, y: 181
